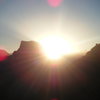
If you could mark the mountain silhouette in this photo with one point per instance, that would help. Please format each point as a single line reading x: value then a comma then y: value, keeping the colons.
x: 28, y: 47
x: 26, y: 75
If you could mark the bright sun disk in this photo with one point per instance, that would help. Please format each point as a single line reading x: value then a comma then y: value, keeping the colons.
x: 55, y: 47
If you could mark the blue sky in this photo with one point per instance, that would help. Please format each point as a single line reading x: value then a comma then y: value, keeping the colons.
x: 77, y: 20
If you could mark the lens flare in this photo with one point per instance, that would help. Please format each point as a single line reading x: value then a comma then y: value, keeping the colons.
x: 54, y: 3
x: 54, y: 99
x: 3, y: 55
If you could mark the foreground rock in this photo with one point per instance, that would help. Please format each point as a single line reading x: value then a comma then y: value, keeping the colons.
x: 26, y: 75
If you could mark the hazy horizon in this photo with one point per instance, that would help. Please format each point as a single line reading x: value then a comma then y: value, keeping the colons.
x: 77, y: 21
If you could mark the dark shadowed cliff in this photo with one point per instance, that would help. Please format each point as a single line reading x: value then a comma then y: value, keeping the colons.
x: 26, y: 75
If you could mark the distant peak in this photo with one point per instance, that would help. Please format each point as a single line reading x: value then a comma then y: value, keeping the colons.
x: 29, y: 47
x: 95, y: 50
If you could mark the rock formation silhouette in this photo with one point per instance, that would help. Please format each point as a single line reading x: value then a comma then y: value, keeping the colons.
x: 26, y: 75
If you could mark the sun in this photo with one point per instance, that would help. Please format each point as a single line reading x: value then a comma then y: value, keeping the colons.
x: 55, y: 47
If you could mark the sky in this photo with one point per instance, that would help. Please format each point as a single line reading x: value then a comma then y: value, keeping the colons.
x: 76, y: 20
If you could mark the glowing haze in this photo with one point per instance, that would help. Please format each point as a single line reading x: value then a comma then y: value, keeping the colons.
x: 56, y: 47
x: 76, y: 20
